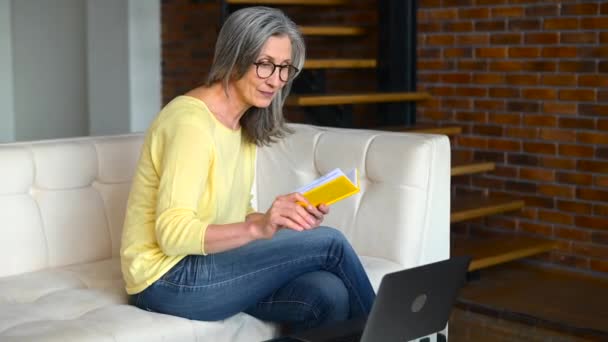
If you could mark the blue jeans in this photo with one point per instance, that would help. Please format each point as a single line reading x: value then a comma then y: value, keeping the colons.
x: 305, y: 279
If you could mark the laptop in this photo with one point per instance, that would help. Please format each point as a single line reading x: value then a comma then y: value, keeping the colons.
x: 410, y: 304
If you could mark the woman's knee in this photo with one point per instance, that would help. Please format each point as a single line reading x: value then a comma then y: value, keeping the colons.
x: 328, y: 297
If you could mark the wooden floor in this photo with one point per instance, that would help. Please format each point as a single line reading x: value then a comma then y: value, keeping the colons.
x: 470, y: 326
x: 565, y: 306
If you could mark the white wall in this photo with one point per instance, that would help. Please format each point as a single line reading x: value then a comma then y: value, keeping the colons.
x: 108, y: 66
x: 124, y: 64
x: 78, y: 67
x: 7, y: 112
x: 145, y: 62
x: 49, y: 63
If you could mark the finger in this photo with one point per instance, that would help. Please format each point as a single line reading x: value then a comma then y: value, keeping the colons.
x: 291, y: 224
x: 298, y: 197
x: 316, y: 213
x: 306, y: 215
x: 297, y: 214
x: 324, y: 208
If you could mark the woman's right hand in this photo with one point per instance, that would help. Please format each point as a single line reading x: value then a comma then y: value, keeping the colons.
x: 287, y: 211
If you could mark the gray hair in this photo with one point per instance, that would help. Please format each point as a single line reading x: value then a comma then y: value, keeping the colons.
x: 238, y: 45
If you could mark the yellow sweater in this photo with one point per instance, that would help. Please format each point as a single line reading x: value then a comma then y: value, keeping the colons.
x: 193, y: 171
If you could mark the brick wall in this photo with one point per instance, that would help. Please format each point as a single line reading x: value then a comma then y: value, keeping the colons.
x: 528, y: 83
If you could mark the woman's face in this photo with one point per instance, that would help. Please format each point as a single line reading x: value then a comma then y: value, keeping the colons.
x: 256, y: 91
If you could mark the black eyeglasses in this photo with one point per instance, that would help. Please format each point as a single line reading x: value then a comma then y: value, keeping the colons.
x: 265, y: 69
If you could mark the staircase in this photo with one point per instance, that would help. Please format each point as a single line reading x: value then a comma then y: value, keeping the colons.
x: 486, y: 250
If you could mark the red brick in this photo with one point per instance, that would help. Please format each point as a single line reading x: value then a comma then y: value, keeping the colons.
x: 574, y: 207
x: 439, y: 39
x: 574, y: 178
x: 506, y: 38
x: 592, y: 137
x: 466, y: 65
x: 540, y: 65
x: 559, y: 80
x: 488, y: 78
x: 601, y: 209
x: 580, y: 9
x: 468, y: 141
x: 602, y: 95
x: 595, y: 251
x: 539, y: 93
x: 602, y: 124
x: 524, y: 24
x: 537, y: 174
x: 592, y: 195
x: 540, y: 120
x: 578, y: 66
x: 504, y: 92
x: 572, y: 260
x: 428, y: 27
x: 562, y: 191
x: 488, y: 130
x: 504, y: 145
x: 577, y: 95
x: 470, y: 91
x: 494, y: 52
x: 578, y: 38
x: 556, y: 217
x: 429, y: 52
x: 559, y: 52
x: 598, y: 265
x: 443, y: 14
x: 593, y: 166
x: 473, y: 39
x: 474, y: 13
x: 572, y: 234
x: 593, y: 52
x: 459, y: 26
x: 523, y: 106
x: 522, y: 132
x: 457, y: 103
x: 541, y: 38
x: 440, y: 91
x: 489, y: 104
x: 604, y: 8
x: 599, y: 237
x: 559, y: 108
x: 593, y: 81
x: 542, y: 11
x: 507, y: 11
x: 603, y: 37
x: 595, y: 23
x: 535, y: 228
x: 483, y: 26
x: 505, y: 118
x: 458, y: 52
x: 582, y: 123
x: 576, y: 150
x: 456, y: 78
x: 437, y: 114
x: 522, y: 159
x: 601, y: 153
x: 522, y: 52
x: 561, y: 24
x: 585, y: 109
x: 479, y: 117
x: 558, y: 163
x: 591, y: 222
x: 557, y: 135
x: 521, y: 187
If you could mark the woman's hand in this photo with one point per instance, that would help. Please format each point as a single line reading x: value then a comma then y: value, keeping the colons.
x: 287, y: 211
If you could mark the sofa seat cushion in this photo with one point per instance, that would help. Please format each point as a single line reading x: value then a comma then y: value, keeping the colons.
x: 87, y: 302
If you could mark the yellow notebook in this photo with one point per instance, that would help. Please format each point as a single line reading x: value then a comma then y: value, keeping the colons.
x: 332, y: 187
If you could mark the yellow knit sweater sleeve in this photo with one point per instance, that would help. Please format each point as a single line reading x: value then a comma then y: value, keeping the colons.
x: 183, y: 155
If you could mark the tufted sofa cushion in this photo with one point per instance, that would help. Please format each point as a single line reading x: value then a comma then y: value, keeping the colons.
x: 62, y: 206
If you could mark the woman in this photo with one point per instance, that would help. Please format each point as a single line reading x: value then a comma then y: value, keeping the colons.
x: 192, y: 246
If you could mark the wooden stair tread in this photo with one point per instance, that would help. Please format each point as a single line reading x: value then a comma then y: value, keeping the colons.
x: 466, y: 207
x: 493, y: 251
x: 423, y: 128
x: 288, y: 2
x: 337, y: 99
x: 560, y: 299
x: 463, y: 167
x: 331, y: 30
x: 339, y: 63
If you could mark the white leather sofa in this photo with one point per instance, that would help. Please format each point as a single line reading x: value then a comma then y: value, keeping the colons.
x: 62, y: 206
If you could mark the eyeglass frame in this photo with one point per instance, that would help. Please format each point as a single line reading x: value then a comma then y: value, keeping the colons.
x: 274, y: 68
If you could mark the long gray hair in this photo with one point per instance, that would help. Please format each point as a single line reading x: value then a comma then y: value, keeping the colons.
x: 238, y: 45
